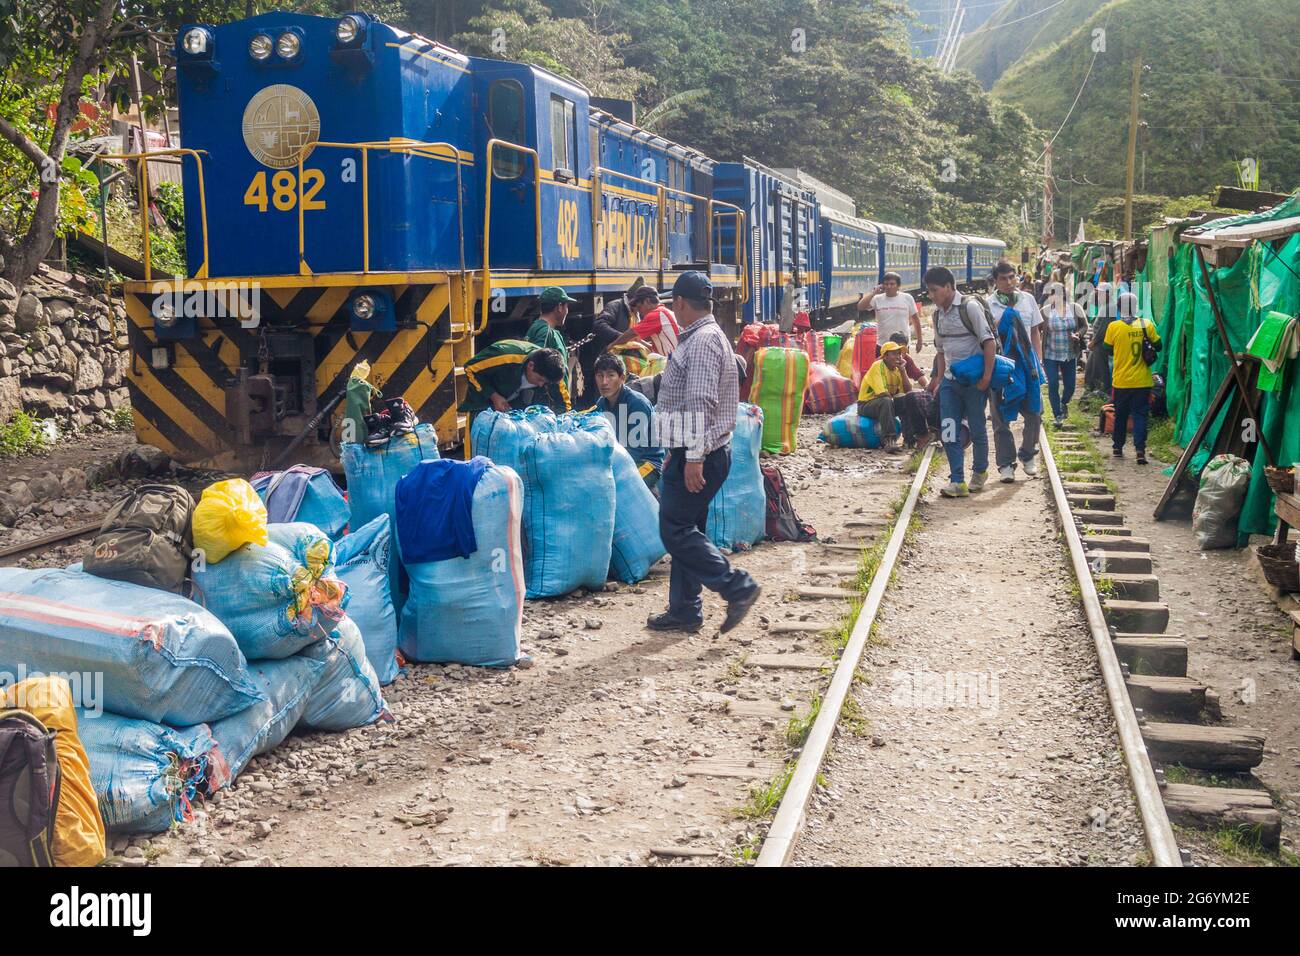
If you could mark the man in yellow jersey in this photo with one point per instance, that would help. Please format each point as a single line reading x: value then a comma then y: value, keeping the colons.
x: 886, y: 392
x: 1131, y: 379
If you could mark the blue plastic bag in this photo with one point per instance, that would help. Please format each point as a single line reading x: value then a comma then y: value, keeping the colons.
x: 568, y: 510
x: 636, y: 543
x: 469, y: 610
x: 502, y: 436
x: 270, y: 595
x: 848, y: 429
x: 361, y: 562
x: 322, y: 505
x: 262, y: 727
x: 163, y: 658
x: 969, y: 370
x: 373, y: 474
x: 738, y: 512
x: 347, y: 694
x: 146, y: 775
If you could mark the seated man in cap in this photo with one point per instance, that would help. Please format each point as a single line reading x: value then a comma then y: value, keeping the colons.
x: 885, y: 393
x: 514, y: 374
x: 695, y: 414
x: 547, y: 331
x: 632, y: 416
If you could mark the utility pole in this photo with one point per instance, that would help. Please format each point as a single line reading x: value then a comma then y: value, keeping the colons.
x: 1049, y: 221
x: 1132, y: 147
x: 1069, y: 215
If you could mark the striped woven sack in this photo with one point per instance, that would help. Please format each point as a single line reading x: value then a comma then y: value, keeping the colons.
x: 779, y: 379
x: 850, y: 430
x: 828, y: 391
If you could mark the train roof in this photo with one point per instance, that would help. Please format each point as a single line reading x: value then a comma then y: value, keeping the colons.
x: 952, y: 237
x: 834, y: 215
x: 828, y: 196
x: 984, y: 241
x: 620, y: 125
x: 779, y: 176
x: 890, y: 229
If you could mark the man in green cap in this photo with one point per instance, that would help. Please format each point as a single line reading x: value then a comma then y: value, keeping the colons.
x: 548, y: 330
x: 511, y: 373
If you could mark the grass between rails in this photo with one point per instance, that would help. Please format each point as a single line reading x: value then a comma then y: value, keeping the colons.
x: 764, y: 800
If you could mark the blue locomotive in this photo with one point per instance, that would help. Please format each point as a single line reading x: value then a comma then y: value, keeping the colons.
x: 355, y: 193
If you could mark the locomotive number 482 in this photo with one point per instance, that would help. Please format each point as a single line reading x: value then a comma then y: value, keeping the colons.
x: 284, y: 190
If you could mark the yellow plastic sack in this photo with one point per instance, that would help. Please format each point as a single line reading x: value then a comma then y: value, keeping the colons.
x: 227, y: 517
x: 845, y: 364
x: 78, y: 827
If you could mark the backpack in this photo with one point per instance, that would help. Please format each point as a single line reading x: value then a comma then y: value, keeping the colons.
x: 782, y: 522
x: 970, y: 326
x: 30, y: 781
x: 145, y: 539
x: 1148, y: 347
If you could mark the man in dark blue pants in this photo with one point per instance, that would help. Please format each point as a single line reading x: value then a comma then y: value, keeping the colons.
x: 695, y: 415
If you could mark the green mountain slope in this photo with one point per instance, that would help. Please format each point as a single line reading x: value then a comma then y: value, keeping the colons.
x: 1222, y: 86
x: 1018, y: 29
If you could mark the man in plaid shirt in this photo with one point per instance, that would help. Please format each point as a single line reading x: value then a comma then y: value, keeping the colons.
x: 695, y: 415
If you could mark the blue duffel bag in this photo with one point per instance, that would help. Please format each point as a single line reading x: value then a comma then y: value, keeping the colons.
x: 318, y: 499
x: 969, y: 370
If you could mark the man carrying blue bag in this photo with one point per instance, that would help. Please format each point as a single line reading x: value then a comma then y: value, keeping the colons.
x: 1019, y: 325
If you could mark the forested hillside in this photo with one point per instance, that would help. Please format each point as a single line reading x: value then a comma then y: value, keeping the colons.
x: 1018, y: 29
x: 1221, y: 87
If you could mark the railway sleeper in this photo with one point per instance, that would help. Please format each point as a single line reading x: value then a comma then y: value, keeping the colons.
x: 1089, y: 516
x: 1201, y: 747
x: 1091, y: 502
x: 1135, y: 587
x: 1158, y: 655
x: 1212, y: 808
x: 1118, y: 562
x: 1136, y: 617
x: 1116, y: 542
x: 1172, y: 696
x: 1086, y: 487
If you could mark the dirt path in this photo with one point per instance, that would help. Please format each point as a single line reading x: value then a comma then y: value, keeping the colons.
x: 1239, y: 640
x: 990, y: 738
x: 615, y: 743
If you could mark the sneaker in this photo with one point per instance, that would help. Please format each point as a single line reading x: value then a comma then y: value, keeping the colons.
x: 1007, y: 474
x: 955, y: 489
x: 667, y: 622
x: 1117, y: 453
x: 895, y: 447
x: 978, y: 480
x: 1060, y: 420
x: 736, y: 610
x: 1142, y: 458
x: 1030, y: 467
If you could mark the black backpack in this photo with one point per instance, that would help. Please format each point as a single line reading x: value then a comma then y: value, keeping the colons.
x: 782, y: 522
x: 145, y: 539
x: 30, y: 782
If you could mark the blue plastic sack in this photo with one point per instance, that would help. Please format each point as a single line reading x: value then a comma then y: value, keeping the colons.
x: 636, y: 543
x: 502, y: 436
x: 469, y: 610
x: 258, y: 591
x: 361, y: 562
x: 146, y: 775
x: 738, y: 512
x: 322, y: 505
x: 373, y: 474
x: 848, y: 429
x: 347, y: 694
x: 969, y: 370
x: 568, y: 510
x: 163, y: 658
x: 262, y: 727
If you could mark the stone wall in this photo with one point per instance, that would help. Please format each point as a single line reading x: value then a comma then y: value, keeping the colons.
x: 63, y: 351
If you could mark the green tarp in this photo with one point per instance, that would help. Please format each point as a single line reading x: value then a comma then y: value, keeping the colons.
x: 1193, y: 361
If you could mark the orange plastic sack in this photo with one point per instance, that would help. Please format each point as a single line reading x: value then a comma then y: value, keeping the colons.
x: 78, y: 827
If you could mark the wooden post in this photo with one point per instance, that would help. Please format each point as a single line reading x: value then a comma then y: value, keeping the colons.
x: 1132, y: 148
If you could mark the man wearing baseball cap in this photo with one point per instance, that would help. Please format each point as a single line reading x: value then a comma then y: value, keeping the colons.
x: 547, y: 331
x: 695, y: 414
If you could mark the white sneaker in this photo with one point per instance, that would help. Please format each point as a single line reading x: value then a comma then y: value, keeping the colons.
x: 1030, y: 467
x: 977, y: 480
x: 1007, y: 474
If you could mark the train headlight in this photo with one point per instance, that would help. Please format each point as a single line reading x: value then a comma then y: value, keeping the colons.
x: 288, y: 45
x: 259, y: 48
x: 363, y: 307
x: 348, y: 30
x: 197, y: 42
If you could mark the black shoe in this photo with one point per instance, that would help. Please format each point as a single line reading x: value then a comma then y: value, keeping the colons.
x: 1117, y: 453
x: 667, y: 622
x: 736, y: 610
x: 1142, y: 458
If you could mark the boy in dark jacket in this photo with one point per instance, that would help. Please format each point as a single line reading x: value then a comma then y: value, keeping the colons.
x: 515, y: 374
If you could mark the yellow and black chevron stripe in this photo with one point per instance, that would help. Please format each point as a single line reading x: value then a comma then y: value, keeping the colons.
x: 182, y: 408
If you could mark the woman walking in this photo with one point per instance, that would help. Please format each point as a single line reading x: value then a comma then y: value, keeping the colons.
x: 1066, y: 324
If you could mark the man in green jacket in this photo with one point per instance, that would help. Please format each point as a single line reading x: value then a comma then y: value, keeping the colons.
x: 548, y: 330
x: 514, y: 374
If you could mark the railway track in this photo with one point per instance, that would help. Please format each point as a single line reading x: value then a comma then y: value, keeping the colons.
x: 13, y: 553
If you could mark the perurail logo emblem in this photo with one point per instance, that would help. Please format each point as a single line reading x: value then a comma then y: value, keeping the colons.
x: 281, y: 123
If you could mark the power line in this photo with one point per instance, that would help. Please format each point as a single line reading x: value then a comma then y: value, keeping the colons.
x: 990, y: 25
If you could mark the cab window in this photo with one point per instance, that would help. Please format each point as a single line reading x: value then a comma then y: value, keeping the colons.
x: 506, y: 122
x: 564, y: 137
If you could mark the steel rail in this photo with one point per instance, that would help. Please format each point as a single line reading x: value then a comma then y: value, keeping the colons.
x: 1151, y: 805
x: 790, y: 815
x: 49, y: 540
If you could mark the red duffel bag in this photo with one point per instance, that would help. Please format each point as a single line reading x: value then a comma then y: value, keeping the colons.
x: 828, y: 391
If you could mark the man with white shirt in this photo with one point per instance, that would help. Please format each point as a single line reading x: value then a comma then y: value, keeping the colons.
x: 894, y: 310
x: 1008, y: 295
